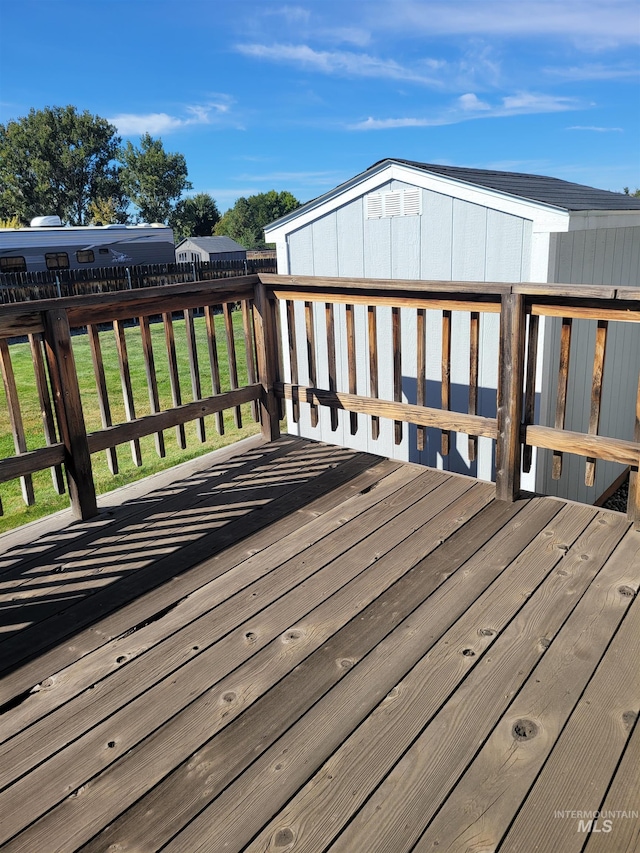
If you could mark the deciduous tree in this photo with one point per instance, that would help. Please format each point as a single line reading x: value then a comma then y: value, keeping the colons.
x: 246, y: 220
x: 194, y: 217
x: 56, y: 161
x: 152, y: 178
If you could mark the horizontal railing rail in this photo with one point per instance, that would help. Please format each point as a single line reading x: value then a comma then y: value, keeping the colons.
x: 312, y: 341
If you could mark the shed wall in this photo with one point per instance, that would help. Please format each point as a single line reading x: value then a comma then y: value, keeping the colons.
x: 451, y: 240
x: 601, y: 256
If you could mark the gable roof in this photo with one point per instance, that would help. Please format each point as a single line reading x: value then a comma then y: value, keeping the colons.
x: 212, y: 245
x: 553, y: 191
x: 552, y: 196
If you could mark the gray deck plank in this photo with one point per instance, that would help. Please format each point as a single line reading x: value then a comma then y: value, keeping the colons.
x: 365, y: 632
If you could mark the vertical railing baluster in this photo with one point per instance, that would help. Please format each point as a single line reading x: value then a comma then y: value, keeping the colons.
x: 561, y: 400
x: 530, y: 387
x: 396, y: 335
x: 331, y: 357
x: 596, y: 394
x: 372, y: 322
x: 311, y: 356
x: 152, y: 380
x: 293, y: 359
x: 48, y: 422
x: 474, y: 346
x: 231, y: 352
x: 15, y: 417
x: 127, y: 391
x: 103, y: 394
x: 212, y: 346
x: 445, y: 386
x: 247, y: 328
x: 351, y: 364
x: 174, y: 376
x: 194, y: 368
x: 421, y: 350
x: 633, y: 501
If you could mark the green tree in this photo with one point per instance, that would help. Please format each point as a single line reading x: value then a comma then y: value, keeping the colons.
x: 108, y: 211
x: 194, y: 217
x: 635, y: 194
x: 56, y: 161
x: 246, y: 220
x: 152, y: 178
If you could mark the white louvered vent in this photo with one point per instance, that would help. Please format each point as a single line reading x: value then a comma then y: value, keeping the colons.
x: 374, y: 206
x: 398, y: 203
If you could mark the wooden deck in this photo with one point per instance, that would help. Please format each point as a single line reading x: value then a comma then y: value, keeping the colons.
x: 305, y: 648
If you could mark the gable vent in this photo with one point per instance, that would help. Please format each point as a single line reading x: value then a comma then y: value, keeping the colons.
x: 397, y: 203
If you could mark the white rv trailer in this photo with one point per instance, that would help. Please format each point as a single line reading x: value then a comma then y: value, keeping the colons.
x: 48, y: 245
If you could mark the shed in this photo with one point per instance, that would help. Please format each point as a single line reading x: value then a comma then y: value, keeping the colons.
x: 203, y: 249
x: 405, y: 220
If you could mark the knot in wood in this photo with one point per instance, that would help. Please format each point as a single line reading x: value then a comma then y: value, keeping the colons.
x: 524, y: 730
x: 628, y: 719
x: 250, y: 637
x: 627, y: 591
x: 545, y: 642
x: 486, y: 632
x: 469, y: 653
x: 283, y: 837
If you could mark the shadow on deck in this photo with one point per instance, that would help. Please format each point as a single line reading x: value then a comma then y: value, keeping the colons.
x: 303, y: 647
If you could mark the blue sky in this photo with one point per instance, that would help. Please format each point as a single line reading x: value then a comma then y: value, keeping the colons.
x: 301, y: 96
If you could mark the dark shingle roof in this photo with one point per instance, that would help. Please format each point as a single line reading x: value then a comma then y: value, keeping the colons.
x: 553, y: 191
x: 215, y: 244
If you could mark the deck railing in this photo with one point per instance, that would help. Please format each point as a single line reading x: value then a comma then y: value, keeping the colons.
x: 273, y: 372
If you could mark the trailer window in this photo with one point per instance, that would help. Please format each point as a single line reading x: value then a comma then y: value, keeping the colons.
x: 85, y: 256
x: 103, y: 251
x: 17, y: 264
x: 57, y: 260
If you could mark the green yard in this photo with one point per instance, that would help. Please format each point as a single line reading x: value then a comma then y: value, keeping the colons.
x: 47, y: 501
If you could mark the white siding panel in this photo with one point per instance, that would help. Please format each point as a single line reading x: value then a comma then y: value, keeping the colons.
x: 405, y: 247
x: 301, y: 252
x: 377, y: 248
x: 469, y: 241
x: 350, y: 225
x: 504, y: 247
x: 436, y: 245
x: 325, y: 246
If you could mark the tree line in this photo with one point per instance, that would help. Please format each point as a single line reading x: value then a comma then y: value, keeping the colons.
x: 58, y: 161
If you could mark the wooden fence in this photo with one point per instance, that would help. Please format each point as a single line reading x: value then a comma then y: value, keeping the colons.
x: 48, y: 324
x: 49, y: 284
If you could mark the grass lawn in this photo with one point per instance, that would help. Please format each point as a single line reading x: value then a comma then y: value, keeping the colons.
x: 47, y: 500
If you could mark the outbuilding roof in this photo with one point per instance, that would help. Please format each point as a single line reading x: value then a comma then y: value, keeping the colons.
x: 213, y: 245
x: 553, y: 191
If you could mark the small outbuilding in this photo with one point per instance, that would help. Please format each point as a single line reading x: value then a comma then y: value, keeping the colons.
x: 406, y: 220
x: 203, y: 249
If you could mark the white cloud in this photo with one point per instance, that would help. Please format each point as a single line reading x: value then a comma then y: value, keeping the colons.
x: 472, y: 102
x: 337, y: 62
x: 598, y: 129
x: 602, y: 23
x: 469, y: 107
x: 134, y: 124
x: 594, y: 71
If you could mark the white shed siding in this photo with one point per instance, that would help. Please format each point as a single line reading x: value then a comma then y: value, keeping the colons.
x: 601, y: 256
x: 453, y: 239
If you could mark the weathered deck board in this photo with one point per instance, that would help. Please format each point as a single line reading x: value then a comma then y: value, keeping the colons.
x: 328, y: 651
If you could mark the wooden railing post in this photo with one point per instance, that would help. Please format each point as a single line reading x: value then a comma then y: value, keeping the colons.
x: 510, y: 389
x: 267, y: 343
x: 633, y: 500
x: 66, y: 395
